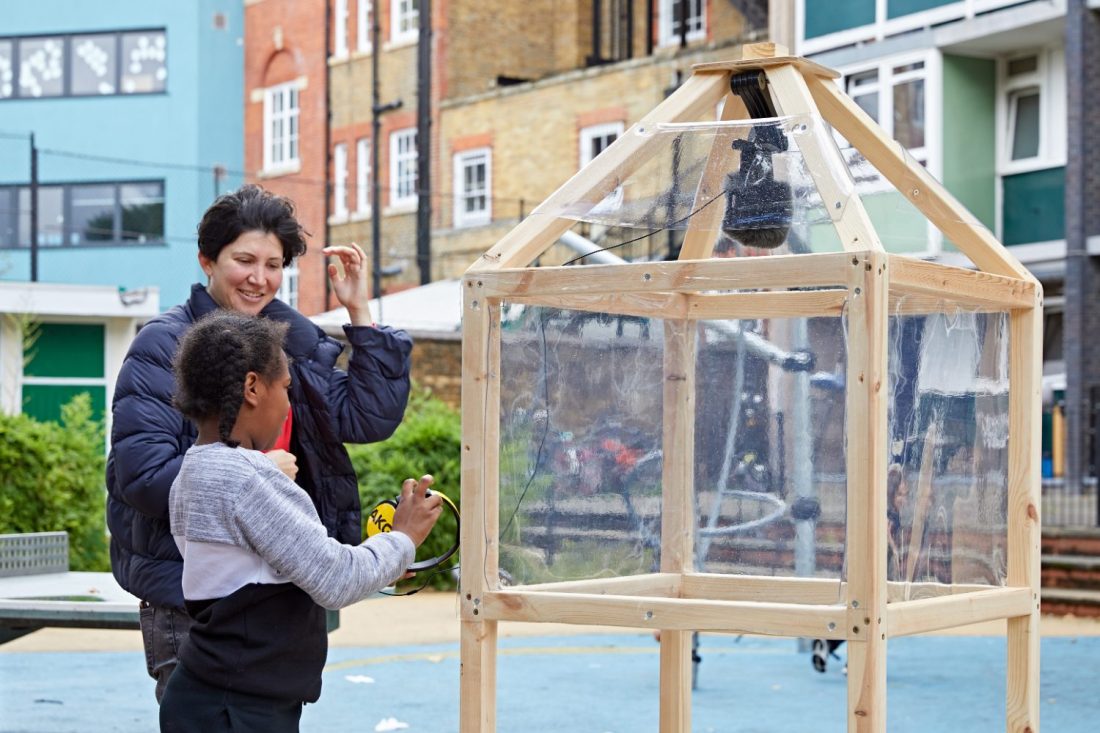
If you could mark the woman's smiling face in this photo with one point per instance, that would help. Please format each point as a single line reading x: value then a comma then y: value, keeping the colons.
x: 247, y: 274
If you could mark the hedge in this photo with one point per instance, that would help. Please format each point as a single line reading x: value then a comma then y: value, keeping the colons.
x: 51, y: 479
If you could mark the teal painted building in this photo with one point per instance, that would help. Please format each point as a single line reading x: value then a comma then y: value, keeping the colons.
x: 136, y: 107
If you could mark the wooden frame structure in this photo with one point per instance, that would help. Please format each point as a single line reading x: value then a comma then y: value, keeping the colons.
x: 863, y: 279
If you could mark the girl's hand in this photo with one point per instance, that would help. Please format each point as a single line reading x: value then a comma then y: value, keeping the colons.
x: 349, y: 274
x: 417, y: 511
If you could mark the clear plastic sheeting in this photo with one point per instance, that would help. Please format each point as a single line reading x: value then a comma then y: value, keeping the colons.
x: 748, y: 182
x: 769, y: 448
x: 581, y: 452
x: 948, y: 429
x: 580, y: 445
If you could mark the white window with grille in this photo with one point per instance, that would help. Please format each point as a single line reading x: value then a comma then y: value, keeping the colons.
x: 364, y: 21
x: 288, y: 290
x: 340, y: 29
x: 472, y: 186
x: 362, y: 176
x: 281, y: 127
x: 404, y: 21
x: 672, y: 20
x: 594, y: 140
x: 403, y: 168
x: 340, y: 181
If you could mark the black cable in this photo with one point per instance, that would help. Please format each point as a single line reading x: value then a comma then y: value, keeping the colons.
x: 546, y: 427
x: 644, y: 236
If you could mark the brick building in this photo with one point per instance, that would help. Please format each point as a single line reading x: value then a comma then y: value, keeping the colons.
x: 285, y: 124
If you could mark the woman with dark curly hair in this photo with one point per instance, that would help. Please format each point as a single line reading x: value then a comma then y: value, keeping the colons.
x: 259, y: 568
x: 245, y: 239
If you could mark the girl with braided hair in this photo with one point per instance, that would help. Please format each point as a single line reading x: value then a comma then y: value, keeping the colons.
x: 258, y: 565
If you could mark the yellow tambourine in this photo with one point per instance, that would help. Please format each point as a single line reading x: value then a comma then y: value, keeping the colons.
x: 381, y: 520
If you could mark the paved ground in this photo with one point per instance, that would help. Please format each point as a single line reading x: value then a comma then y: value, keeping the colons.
x: 394, y: 663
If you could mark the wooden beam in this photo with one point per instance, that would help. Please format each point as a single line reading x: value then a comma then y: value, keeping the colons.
x: 866, y: 517
x: 966, y: 287
x: 735, y: 67
x: 778, y: 619
x: 704, y: 226
x: 764, y: 588
x: 698, y: 96
x: 479, y: 469
x: 677, y: 511
x: 1025, y: 369
x: 665, y: 585
x: 824, y: 162
x: 735, y: 273
x: 947, y: 612
x: 781, y: 304
x: 911, y: 178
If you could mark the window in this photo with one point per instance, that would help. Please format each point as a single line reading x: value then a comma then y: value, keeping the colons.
x: 671, y: 23
x: 281, y: 126
x: 143, y: 63
x: 81, y: 214
x: 363, y: 26
x: 594, y: 140
x: 340, y: 180
x: 403, y: 167
x: 40, y: 67
x: 1025, y: 84
x: 288, y: 289
x: 472, y: 176
x: 405, y: 21
x: 83, y: 64
x: 340, y: 29
x: 93, y: 64
x: 362, y: 175
x: 7, y: 69
x: 893, y: 94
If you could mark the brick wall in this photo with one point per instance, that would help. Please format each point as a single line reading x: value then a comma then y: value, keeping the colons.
x: 285, y: 41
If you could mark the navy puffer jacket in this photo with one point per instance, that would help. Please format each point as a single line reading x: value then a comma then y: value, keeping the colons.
x: 330, y: 407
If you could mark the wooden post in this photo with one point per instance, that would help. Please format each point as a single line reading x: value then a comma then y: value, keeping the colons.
x: 678, y: 512
x: 866, y: 465
x: 1024, y: 527
x: 480, y: 506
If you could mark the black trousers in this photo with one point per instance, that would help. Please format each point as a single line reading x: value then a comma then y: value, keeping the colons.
x: 192, y: 706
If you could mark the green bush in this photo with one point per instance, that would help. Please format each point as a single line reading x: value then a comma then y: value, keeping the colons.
x: 427, y: 441
x: 51, y: 479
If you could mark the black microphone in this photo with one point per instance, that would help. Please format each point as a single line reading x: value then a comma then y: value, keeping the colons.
x: 758, y: 207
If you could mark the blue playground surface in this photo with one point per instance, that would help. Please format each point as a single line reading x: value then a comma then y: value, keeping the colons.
x: 591, y: 683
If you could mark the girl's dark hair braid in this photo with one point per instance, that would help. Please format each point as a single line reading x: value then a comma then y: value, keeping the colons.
x: 213, y: 360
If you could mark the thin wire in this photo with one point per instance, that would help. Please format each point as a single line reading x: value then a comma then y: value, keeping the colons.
x: 545, y: 429
x: 645, y: 236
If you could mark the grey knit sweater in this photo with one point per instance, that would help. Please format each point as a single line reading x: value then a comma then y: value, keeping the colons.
x: 238, y: 520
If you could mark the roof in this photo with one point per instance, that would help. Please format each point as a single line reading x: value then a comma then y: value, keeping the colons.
x: 433, y: 311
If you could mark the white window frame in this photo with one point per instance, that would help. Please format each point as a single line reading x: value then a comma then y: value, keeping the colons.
x: 403, y: 196
x: 1049, y: 78
x: 288, y: 144
x: 462, y: 160
x: 931, y: 154
x: 665, y: 35
x: 401, y: 12
x: 585, y: 137
x: 340, y: 181
x: 884, y: 27
x: 365, y: 18
x: 288, y: 289
x: 340, y: 29
x: 362, y: 176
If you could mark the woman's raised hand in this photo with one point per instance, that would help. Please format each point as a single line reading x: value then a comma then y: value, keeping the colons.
x: 349, y: 273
